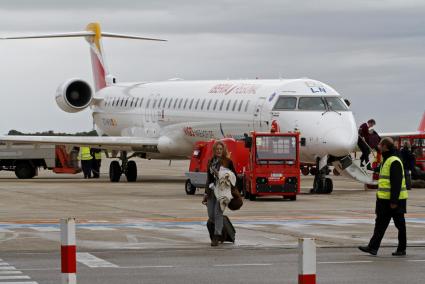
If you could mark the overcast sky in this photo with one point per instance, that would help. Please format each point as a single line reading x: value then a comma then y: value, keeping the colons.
x: 370, y: 51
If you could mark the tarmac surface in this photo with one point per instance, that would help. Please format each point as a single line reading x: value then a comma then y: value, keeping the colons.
x: 152, y: 232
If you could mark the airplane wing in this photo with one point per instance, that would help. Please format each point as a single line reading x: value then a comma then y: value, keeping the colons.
x: 397, y: 134
x: 140, y: 144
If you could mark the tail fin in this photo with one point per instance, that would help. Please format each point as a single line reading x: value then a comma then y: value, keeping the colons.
x: 93, y: 36
x: 99, y: 67
x: 422, y: 124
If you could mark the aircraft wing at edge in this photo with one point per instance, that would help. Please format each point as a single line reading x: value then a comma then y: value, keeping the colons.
x: 397, y: 134
x: 105, y: 142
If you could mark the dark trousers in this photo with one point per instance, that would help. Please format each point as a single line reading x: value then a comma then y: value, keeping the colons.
x: 86, y: 167
x: 381, y: 224
x: 96, y: 168
x: 365, y: 151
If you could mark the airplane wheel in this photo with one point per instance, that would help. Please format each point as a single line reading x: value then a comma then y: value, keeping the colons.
x: 313, y: 171
x: 328, y: 185
x: 131, y: 172
x: 305, y: 171
x: 292, y: 198
x: 114, y: 171
x: 189, y: 188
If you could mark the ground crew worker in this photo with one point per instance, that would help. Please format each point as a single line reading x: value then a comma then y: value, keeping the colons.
x: 96, y: 161
x: 391, y: 200
x: 86, y: 158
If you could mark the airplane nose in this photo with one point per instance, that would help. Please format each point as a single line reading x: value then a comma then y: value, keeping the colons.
x: 340, y: 142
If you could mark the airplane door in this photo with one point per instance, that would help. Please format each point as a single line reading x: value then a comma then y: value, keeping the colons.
x: 258, y: 123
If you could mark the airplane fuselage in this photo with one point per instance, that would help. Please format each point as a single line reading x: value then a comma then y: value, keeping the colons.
x: 179, y: 113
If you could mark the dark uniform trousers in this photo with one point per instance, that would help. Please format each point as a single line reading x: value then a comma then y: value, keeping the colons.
x: 384, y: 213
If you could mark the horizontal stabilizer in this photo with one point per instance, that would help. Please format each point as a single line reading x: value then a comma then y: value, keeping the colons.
x: 83, y: 34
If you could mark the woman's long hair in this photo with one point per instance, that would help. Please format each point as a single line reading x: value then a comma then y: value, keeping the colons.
x: 225, y: 153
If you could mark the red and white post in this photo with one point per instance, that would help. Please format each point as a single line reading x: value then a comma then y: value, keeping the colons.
x: 306, y: 261
x: 68, y: 251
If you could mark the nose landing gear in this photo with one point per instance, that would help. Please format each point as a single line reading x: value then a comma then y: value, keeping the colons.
x: 321, y: 183
x: 129, y: 168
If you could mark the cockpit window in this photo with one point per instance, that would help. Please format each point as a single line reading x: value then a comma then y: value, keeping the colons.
x: 312, y: 103
x: 285, y: 103
x: 335, y: 103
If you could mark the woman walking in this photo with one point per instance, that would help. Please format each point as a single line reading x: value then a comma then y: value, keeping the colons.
x: 215, y: 214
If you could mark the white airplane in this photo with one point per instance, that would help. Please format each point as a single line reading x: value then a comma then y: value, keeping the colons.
x: 163, y: 120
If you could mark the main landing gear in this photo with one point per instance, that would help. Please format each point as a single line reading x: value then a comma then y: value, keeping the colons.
x: 322, y: 184
x: 127, y: 167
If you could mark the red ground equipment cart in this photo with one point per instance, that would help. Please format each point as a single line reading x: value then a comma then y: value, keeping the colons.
x: 202, y: 152
x: 274, y: 166
x: 417, y: 142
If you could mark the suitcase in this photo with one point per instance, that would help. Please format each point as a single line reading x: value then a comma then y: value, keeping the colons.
x: 228, y: 234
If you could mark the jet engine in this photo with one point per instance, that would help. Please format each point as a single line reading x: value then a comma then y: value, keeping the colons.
x: 74, y: 95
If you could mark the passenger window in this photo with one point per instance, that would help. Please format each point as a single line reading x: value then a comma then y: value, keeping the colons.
x: 141, y: 102
x: 165, y: 102
x: 240, y: 105
x: 185, y: 103
x: 285, y: 103
x: 197, y: 102
x: 221, y: 105
x: 312, y: 103
x: 122, y: 102
x: 148, y: 103
x: 137, y: 101
x: 335, y: 103
x: 180, y: 103
x: 228, y: 105
x: 215, y: 104
x: 169, y: 104
x: 175, y: 103
x: 191, y: 103
x: 209, y: 104
x: 131, y: 102
x: 154, y: 103
x: 202, y: 105
x: 159, y: 104
x: 246, y: 106
x: 234, y: 105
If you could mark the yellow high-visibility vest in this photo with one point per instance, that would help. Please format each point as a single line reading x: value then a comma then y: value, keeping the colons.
x: 98, y: 155
x: 384, y: 184
x: 85, y: 154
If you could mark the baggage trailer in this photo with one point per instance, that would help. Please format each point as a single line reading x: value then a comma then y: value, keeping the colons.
x: 274, y: 166
x: 25, y: 160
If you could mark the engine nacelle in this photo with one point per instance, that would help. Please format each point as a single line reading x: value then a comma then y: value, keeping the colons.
x: 74, y: 95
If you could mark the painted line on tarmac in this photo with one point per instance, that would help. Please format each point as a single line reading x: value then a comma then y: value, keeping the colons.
x: 7, y: 272
x: 242, y: 264
x: 7, y: 268
x: 344, y: 262
x: 92, y: 261
x: 13, y: 277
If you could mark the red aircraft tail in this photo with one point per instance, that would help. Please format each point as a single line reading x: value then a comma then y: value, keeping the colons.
x: 422, y: 124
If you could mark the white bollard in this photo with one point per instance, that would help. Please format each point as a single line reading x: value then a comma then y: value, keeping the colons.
x: 306, y: 261
x: 68, y: 251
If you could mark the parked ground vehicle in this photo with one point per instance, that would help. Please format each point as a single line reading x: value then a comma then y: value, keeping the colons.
x: 25, y: 160
x: 418, y: 147
x: 202, y: 152
x: 274, y: 166
x: 266, y: 164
